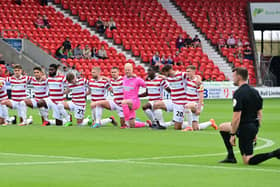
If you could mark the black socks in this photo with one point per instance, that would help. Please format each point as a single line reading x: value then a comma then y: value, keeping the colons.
x: 226, y: 138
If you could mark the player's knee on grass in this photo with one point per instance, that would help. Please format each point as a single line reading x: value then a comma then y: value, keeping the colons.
x: 226, y: 127
x: 177, y: 126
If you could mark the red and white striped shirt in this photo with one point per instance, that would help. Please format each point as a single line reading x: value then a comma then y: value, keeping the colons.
x: 56, y: 88
x: 79, y: 91
x: 98, y: 89
x: 40, y: 88
x: 155, y: 88
x: 193, y: 90
x: 3, y: 89
x: 19, y: 87
x: 177, y: 85
x: 117, y: 86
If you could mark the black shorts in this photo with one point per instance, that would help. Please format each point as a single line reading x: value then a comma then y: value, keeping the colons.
x: 246, y: 134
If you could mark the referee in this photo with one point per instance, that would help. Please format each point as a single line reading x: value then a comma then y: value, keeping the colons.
x: 247, y: 115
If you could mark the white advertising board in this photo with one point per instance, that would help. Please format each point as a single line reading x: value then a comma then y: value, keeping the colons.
x: 265, y: 13
x: 212, y: 90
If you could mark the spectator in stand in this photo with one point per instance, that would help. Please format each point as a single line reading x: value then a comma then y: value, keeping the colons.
x: 196, y: 41
x: 39, y: 23
x: 180, y: 42
x: 44, y: 2
x: 10, y: 69
x: 112, y: 24
x: 78, y: 52
x: 102, y: 53
x: 248, y: 54
x: 188, y: 42
x: 69, y: 53
x: 176, y: 57
x: 65, y: 70
x: 163, y: 60
x: 18, y: 2
x: 231, y: 41
x: 46, y: 21
x: 60, y: 53
x: 59, y: 70
x: 221, y: 42
x: 239, y: 54
x: 74, y: 71
x: 239, y: 43
x: 94, y: 53
x: 179, y: 63
x: 169, y: 60
x: 100, y: 26
x: 87, y: 52
x: 156, y: 61
x: 67, y: 44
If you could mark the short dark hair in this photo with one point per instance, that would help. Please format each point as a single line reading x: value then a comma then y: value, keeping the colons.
x: 192, y: 67
x: 70, y: 76
x: 37, y: 68
x: 115, y: 68
x: 166, y: 68
x: 243, y: 72
x: 17, y: 66
x: 54, y: 66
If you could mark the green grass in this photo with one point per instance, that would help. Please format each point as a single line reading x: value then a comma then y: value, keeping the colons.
x: 108, y: 156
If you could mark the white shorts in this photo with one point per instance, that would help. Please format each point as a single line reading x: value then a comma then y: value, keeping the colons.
x: 178, y: 110
x: 54, y: 107
x: 114, y: 106
x: 77, y: 109
x: 4, y: 112
x: 15, y: 104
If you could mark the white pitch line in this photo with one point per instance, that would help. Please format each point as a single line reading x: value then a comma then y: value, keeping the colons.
x: 268, y: 143
x: 143, y: 163
x: 42, y: 156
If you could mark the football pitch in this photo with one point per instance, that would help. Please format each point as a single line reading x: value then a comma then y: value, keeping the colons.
x: 110, y: 156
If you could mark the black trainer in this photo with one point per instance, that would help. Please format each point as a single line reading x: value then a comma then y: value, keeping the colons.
x: 14, y: 120
x: 229, y: 160
x: 276, y: 153
x: 154, y: 125
x: 159, y: 127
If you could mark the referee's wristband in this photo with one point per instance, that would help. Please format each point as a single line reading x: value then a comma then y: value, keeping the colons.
x: 232, y: 134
